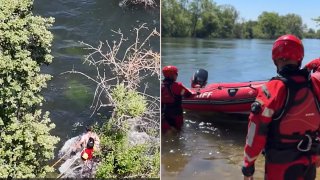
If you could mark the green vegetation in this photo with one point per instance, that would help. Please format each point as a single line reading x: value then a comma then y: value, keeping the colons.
x: 130, y: 146
x: 25, y: 42
x: 119, y: 158
x: 311, y: 33
x: 317, y: 20
x: 206, y: 19
x: 128, y: 102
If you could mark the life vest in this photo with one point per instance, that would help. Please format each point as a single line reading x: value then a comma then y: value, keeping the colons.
x: 171, y: 104
x: 168, y: 98
x: 294, y: 129
x: 87, y: 154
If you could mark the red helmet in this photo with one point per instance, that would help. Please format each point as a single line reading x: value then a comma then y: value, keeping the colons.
x: 169, y: 71
x: 288, y: 47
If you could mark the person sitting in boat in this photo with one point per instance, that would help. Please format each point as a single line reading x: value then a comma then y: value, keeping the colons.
x: 171, y: 99
x: 284, y: 121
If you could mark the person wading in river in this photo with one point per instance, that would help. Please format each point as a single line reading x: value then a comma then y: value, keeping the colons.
x: 285, y: 119
x: 171, y: 99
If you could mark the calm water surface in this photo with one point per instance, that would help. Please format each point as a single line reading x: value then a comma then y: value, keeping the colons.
x: 211, y: 145
x: 68, y: 97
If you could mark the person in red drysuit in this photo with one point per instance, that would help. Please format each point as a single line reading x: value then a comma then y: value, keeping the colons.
x: 171, y: 99
x: 284, y: 120
x: 313, y: 65
x: 87, y: 154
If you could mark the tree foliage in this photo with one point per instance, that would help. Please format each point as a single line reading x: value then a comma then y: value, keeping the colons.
x: 292, y: 24
x: 175, y: 19
x: 311, y: 33
x: 129, y: 102
x: 269, y: 23
x: 317, y: 20
x: 228, y: 16
x: 25, y: 43
x: 206, y: 19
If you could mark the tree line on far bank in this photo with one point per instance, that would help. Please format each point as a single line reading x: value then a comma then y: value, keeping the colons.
x: 206, y: 19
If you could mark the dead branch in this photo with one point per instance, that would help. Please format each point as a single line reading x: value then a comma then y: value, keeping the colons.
x: 130, y: 68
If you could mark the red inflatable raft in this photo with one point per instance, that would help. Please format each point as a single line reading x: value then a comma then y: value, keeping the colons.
x: 222, y: 97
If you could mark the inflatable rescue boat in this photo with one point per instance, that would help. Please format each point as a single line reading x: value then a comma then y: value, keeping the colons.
x: 221, y: 97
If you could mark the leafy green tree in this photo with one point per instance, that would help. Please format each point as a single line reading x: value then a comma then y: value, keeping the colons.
x: 318, y: 34
x: 25, y: 43
x: 269, y: 23
x: 195, y: 10
x: 208, y: 26
x: 317, y: 20
x: 292, y: 24
x: 239, y: 30
x: 167, y: 21
x: 249, y: 29
x: 175, y: 19
x: 208, y: 21
x: 311, y: 33
x: 227, y: 16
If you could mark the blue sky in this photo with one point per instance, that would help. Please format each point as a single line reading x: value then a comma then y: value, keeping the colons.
x: 251, y: 9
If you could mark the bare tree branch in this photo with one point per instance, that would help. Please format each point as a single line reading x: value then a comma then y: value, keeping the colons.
x: 130, y: 68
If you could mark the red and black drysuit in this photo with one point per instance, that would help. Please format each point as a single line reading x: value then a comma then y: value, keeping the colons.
x: 171, y: 104
x: 284, y: 124
x: 87, y: 153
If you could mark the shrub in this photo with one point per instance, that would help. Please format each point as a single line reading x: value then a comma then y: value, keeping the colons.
x: 128, y: 102
x: 25, y: 142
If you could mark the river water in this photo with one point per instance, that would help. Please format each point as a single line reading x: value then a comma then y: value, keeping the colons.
x: 211, y: 145
x: 68, y: 97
